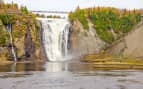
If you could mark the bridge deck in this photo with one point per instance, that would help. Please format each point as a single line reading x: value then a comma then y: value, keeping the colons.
x: 60, y: 12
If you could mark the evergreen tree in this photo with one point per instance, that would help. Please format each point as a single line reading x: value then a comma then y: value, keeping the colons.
x: 24, y: 10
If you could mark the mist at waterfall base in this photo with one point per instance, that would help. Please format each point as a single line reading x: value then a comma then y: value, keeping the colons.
x: 55, y: 35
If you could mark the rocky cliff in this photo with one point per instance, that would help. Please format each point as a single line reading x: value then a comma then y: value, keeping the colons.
x: 99, y: 30
x: 25, y: 34
x: 84, y: 41
x: 131, y: 45
x: 26, y: 41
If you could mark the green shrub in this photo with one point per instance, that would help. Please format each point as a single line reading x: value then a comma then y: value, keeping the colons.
x: 7, y: 18
x: 80, y: 15
x: 4, y: 37
x: 18, y: 33
x: 105, y: 35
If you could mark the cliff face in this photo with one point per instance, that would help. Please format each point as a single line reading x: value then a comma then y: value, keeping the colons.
x: 25, y: 33
x: 26, y: 41
x: 101, y: 29
x: 4, y: 39
x: 84, y: 41
x: 131, y: 45
x: 28, y: 46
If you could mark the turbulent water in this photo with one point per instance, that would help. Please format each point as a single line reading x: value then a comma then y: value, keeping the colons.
x: 55, y: 38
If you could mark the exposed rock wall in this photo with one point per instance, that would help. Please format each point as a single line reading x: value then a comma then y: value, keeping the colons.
x: 26, y: 41
x: 131, y: 45
x: 29, y: 45
x: 84, y: 41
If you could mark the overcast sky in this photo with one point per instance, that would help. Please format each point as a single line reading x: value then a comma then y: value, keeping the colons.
x: 69, y: 5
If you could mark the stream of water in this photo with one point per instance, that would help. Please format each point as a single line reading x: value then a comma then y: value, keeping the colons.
x: 9, y: 29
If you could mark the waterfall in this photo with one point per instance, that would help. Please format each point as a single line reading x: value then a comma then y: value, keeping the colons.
x: 9, y: 29
x: 55, y: 38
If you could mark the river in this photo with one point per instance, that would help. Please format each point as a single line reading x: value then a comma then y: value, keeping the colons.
x: 67, y: 75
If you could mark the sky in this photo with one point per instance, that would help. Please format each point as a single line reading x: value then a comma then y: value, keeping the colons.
x: 70, y: 5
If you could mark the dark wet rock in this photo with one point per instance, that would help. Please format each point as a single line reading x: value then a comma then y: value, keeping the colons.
x: 29, y: 45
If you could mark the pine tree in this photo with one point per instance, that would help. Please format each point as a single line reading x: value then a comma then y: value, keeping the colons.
x: 24, y: 10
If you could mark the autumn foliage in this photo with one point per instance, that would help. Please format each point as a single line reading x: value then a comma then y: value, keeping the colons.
x: 19, y: 18
x: 107, y: 21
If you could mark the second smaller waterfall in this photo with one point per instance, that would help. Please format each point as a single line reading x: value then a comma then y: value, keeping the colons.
x: 9, y: 29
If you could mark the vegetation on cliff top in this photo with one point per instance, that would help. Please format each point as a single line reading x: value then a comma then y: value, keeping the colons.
x: 21, y: 20
x: 109, y: 23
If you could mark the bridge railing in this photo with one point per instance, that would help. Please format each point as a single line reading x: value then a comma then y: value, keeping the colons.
x: 60, y: 12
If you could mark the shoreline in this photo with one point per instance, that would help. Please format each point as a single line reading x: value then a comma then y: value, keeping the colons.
x: 117, y: 66
x: 11, y: 62
x: 113, y: 63
x: 100, y: 63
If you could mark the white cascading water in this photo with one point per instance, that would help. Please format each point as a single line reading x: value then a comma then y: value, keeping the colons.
x: 55, y: 38
x: 9, y: 29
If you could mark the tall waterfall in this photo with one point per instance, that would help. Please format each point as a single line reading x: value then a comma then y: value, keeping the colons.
x: 55, y: 38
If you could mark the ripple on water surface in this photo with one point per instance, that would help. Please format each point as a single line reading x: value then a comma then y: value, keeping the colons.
x: 68, y: 76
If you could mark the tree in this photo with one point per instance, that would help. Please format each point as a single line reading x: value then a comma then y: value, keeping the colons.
x: 107, y: 21
x: 24, y: 10
x: 7, y: 19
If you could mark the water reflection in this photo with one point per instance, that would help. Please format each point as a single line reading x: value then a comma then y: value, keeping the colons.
x: 48, y: 67
x: 13, y: 67
x: 56, y: 66
x: 18, y: 67
x: 66, y: 75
